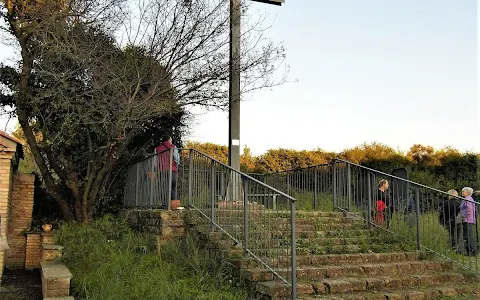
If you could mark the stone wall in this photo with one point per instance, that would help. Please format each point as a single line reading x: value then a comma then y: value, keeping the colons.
x: 165, y: 224
x: 158, y: 222
x: 20, y: 219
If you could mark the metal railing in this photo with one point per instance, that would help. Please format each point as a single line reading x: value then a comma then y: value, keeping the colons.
x: 234, y: 203
x: 420, y: 214
x: 311, y: 186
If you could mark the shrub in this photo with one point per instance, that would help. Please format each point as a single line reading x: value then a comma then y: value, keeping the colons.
x: 109, y: 261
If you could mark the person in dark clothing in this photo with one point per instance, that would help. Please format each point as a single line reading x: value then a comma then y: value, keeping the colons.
x: 449, y: 210
x: 383, y: 204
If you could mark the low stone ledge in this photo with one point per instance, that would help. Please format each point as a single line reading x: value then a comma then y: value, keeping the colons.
x: 54, y: 269
x: 55, y: 280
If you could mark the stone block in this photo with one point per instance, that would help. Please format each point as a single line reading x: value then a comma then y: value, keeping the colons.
x: 58, y: 283
x: 335, y: 272
x: 393, y: 283
x: 404, y: 268
x: 448, y: 292
x: 372, y: 270
x: 375, y: 284
x: 48, y: 238
x: 337, y: 286
x: 56, y: 293
x: 55, y: 279
x: 50, y: 252
x: 414, y: 295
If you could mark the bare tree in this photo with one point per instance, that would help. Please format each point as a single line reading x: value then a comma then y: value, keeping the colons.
x: 94, y: 73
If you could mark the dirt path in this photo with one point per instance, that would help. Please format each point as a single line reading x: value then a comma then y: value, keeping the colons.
x: 21, y: 285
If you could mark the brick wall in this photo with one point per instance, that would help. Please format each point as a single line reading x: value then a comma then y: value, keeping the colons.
x: 32, y: 254
x: 5, y: 190
x: 5, y: 184
x: 20, y: 218
x: 1, y: 264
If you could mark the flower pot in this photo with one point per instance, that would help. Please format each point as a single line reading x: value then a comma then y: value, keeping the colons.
x: 46, y: 227
x: 174, y: 204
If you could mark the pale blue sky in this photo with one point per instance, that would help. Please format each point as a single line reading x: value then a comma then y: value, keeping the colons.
x: 395, y: 72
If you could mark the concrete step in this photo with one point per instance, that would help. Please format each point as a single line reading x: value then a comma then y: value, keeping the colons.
x: 319, y: 214
x: 336, y: 233
x: 340, y: 226
x: 315, y: 246
x: 464, y: 291
x: 278, y: 289
x: 322, y: 226
x: 303, y: 242
x: 358, y: 271
x: 331, y: 259
x: 321, y: 220
x: 284, y: 250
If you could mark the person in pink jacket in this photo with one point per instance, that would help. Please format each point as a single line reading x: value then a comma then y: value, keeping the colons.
x: 467, y: 209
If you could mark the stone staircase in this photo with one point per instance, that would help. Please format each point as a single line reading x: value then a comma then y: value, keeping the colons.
x: 55, y: 275
x: 339, y: 258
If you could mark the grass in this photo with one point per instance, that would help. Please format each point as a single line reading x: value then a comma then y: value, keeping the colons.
x: 432, y: 236
x: 109, y: 261
x: 305, y: 201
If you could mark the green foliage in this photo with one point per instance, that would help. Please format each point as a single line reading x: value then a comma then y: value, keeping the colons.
x: 109, y: 261
x: 443, y: 168
x: 305, y: 201
x: 433, y: 235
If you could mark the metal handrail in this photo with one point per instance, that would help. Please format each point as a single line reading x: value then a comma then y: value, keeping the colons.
x: 427, y: 205
x: 411, y: 201
x: 292, y: 170
x: 201, y: 180
x: 401, y: 179
x: 244, y: 174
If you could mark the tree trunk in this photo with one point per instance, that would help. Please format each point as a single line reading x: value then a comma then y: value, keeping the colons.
x: 30, y: 137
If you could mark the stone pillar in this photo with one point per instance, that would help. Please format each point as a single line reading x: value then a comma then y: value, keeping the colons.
x: 20, y: 219
x: 32, y: 255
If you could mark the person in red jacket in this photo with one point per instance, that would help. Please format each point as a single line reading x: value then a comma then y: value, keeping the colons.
x: 382, y: 214
x: 164, y: 163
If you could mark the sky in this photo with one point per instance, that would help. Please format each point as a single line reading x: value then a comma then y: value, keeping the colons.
x: 394, y: 72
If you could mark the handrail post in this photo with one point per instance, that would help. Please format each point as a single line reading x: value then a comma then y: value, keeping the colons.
x: 152, y: 185
x: 369, y: 196
x: 137, y: 183
x: 349, y: 188
x: 288, y: 184
x: 170, y: 166
x: 294, y: 253
x: 223, y: 193
x: 245, y: 215
x: 190, y: 178
x: 212, y: 196
x: 417, y: 209
x: 125, y: 190
x: 334, y: 181
x: 315, y: 188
